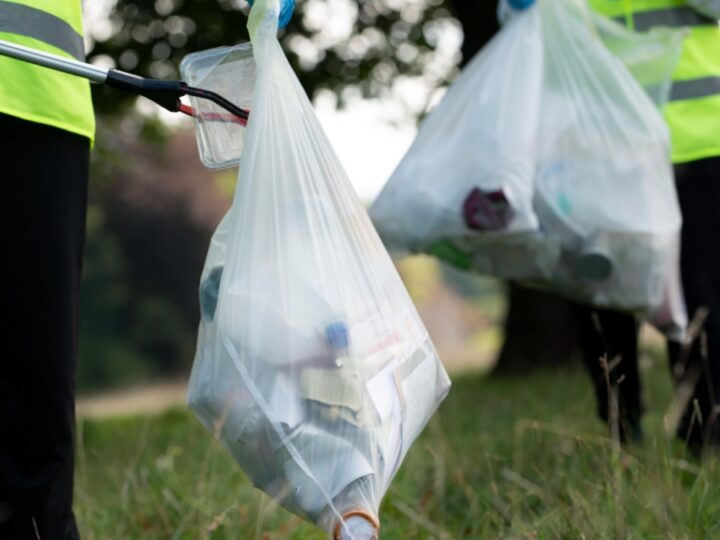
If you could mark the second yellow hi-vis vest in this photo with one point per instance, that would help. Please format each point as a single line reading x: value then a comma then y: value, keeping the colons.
x: 39, y: 94
x: 693, y: 112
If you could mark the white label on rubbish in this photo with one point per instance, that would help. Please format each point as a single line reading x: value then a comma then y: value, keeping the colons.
x: 418, y: 390
x: 383, y: 391
x: 284, y: 403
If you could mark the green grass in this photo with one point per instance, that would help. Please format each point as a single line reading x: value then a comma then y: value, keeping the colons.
x: 504, y: 458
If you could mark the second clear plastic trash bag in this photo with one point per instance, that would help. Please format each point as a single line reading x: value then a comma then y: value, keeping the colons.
x: 468, y: 176
x: 546, y: 97
x: 312, y: 366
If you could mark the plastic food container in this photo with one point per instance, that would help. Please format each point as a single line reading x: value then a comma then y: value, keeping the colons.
x: 229, y: 71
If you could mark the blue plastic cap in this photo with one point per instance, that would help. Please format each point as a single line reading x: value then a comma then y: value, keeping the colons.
x: 337, y: 336
x: 286, y: 11
x: 520, y: 5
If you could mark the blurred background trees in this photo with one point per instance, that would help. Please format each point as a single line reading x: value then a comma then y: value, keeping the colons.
x: 352, y: 48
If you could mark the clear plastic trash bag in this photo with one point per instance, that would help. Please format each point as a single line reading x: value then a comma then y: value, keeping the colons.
x: 469, y: 173
x: 312, y: 365
x: 600, y: 179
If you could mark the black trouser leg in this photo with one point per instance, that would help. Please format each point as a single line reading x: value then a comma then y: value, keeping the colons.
x: 698, y: 185
x: 43, y: 178
x: 612, y: 335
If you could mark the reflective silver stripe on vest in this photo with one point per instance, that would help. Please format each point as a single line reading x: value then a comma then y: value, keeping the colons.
x: 38, y: 24
x: 695, y: 88
x: 672, y: 17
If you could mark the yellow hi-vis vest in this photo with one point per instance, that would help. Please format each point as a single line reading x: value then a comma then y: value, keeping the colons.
x: 39, y: 94
x: 693, y: 112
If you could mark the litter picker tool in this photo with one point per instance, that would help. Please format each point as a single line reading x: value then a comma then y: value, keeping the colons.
x: 215, y: 151
x: 167, y: 94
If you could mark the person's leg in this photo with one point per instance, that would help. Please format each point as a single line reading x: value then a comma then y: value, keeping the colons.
x: 612, y: 335
x: 698, y: 185
x: 43, y: 177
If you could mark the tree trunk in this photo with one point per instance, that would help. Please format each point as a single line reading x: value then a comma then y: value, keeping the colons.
x: 540, y: 331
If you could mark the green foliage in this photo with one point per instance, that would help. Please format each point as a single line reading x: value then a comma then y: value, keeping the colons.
x: 108, y: 360
x: 105, y: 358
x: 362, y: 49
x: 128, y: 332
x: 503, y: 458
x: 124, y: 334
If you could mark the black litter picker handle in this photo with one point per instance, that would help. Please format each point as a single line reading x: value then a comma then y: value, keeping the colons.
x: 167, y: 94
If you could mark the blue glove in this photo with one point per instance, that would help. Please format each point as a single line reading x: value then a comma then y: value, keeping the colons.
x: 286, y: 10
x: 520, y: 5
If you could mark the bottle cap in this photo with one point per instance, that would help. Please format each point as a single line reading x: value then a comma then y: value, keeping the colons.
x: 594, y: 265
x: 520, y: 5
x: 357, y: 525
x: 337, y: 336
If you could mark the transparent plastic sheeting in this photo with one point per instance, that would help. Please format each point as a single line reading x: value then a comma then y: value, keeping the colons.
x: 230, y: 72
x: 546, y: 162
x: 480, y: 140
x: 312, y: 364
x: 650, y: 56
